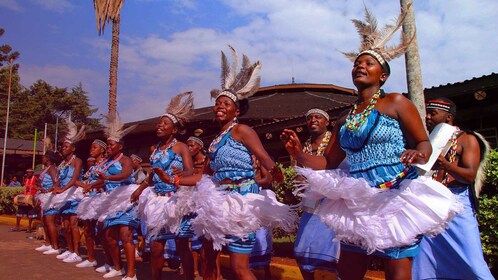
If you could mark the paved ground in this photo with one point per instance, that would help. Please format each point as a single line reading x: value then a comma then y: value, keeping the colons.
x: 19, y: 261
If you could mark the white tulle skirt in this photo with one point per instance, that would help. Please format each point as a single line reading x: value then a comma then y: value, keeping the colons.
x: 221, y: 214
x: 118, y: 200
x: 88, y: 207
x: 378, y: 219
x: 165, y: 212
x: 56, y: 201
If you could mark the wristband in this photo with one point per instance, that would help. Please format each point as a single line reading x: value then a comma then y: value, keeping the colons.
x: 176, y: 181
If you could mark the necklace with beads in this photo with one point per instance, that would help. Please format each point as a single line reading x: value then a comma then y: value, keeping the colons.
x: 154, y: 157
x: 214, y: 145
x: 64, y: 164
x: 321, y: 147
x: 355, y: 121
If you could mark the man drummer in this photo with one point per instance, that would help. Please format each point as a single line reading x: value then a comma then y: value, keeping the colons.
x: 25, y: 209
x: 457, y: 252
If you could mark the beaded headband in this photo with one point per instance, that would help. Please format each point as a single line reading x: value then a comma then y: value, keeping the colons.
x: 441, y: 105
x: 171, y: 117
x: 318, y: 111
x: 196, y: 140
x: 133, y: 156
x: 100, y: 143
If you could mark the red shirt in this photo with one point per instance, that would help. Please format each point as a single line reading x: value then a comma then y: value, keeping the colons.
x: 29, y: 186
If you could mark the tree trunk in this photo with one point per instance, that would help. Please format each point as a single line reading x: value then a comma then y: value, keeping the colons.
x: 113, y: 69
x: 412, y: 60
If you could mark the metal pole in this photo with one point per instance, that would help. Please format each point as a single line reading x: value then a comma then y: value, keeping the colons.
x: 44, y: 137
x: 34, y: 150
x: 56, y: 132
x: 6, y: 119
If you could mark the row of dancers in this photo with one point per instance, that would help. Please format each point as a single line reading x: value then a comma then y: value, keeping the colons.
x: 375, y: 205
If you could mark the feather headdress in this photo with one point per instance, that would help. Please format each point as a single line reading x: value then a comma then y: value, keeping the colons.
x: 374, y: 40
x: 238, y: 86
x: 113, y: 127
x: 181, y: 108
x: 73, y: 134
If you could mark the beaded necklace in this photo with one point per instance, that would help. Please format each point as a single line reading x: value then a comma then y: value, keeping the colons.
x: 452, y: 156
x: 153, y: 156
x: 94, y: 169
x: 107, y: 166
x: 354, y: 121
x: 214, y: 145
x: 43, y: 172
x: 64, y: 164
x: 321, y: 147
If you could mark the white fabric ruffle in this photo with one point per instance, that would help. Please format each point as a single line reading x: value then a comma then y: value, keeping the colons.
x: 164, y: 212
x: 118, y: 200
x: 56, y: 201
x: 377, y: 219
x: 88, y: 207
x: 221, y: 213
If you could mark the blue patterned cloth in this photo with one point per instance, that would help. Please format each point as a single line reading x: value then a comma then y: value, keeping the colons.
x: 373, y: 152
x: 314, y: 247
x: 166, y: 160
x: 232, y: 160
x: 455, y: 253
x: 128, y: 218
x: 47, y: 183
x: 65, y: 175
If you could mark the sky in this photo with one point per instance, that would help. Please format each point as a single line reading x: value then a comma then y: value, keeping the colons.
x: 172, y: 46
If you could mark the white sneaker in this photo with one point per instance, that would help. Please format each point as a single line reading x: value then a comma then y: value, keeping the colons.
x: 43, y: 248
x: 87, y: 263
x: 51, y: 251
x: 104, y: 269
x: 63, y: 255
x: 130, y: 278
x: 114, y: 273
x: 72, y: 258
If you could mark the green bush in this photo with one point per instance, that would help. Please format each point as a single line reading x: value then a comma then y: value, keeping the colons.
x: 7, y: 198
x: 284, y: 193
x: 488, y: 216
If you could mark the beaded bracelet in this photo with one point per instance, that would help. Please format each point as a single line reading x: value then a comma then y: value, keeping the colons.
x: 277, y: 174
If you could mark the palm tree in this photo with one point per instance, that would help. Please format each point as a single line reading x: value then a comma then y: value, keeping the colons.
x: 109, y: 10
x: 412, y: 60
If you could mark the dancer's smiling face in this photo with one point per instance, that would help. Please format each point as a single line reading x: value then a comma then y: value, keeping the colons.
x: 225, y: 109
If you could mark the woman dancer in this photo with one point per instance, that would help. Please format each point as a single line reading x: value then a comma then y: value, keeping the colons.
x: 168, y: 155
x: 87, y: 207
x: 48, y: 178
x: 232, y: 168
x: 117, y: 213
x: 69, y: 173
x: 381, y: 207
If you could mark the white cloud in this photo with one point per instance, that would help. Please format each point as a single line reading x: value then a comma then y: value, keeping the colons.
x: 291, y: 38
x: 11, y: 5
x: 58, y: 6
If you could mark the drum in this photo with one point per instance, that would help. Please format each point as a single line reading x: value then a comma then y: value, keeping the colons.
x: 26, y: 200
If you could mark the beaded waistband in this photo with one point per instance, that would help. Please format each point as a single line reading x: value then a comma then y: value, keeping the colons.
x: 244, y: 183
x: 390, y: 184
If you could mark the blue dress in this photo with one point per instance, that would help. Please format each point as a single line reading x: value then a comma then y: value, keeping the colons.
x: 166, y: 160
x: 65, y: 175
x: 455, y: 253
x: 373, y: 152
x: 124, y: 218
x: 232, y: 160
x: 46, y: 184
